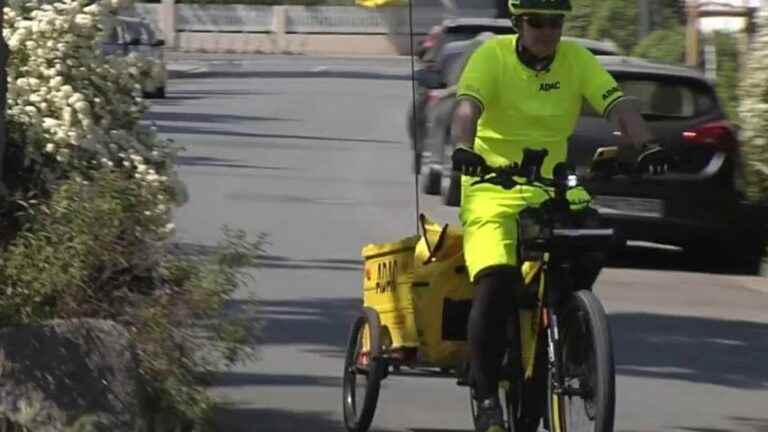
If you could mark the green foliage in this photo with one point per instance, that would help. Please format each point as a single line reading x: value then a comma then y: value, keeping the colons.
x: 753, y: 105
x: 579, y: 21
x: 728, y: 61
x: 618, y: 20
x: 615, y: 20
x: 98, y: 249
x: 663, y: 45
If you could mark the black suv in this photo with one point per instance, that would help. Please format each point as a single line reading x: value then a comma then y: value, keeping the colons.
x: 699, y: 206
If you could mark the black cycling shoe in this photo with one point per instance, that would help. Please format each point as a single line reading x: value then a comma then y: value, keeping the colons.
x: 489, y: 416
x: 527, y: 425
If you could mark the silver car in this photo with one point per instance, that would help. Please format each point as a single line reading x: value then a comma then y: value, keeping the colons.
x: 132, y: 35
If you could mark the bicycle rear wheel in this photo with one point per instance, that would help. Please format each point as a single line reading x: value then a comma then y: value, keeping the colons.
x: 363, y: 370
x: 588, y: 400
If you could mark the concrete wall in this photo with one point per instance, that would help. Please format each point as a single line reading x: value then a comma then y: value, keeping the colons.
x: 294, y: 29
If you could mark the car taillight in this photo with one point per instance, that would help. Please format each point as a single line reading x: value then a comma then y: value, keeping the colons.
x: 433, y: 96
x: 718, y: 135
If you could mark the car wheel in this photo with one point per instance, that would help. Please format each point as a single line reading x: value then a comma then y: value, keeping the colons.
x: 452, y: 196
x: 433, y: 181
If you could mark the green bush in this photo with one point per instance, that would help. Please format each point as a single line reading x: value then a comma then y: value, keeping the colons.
x: 666, y: 46
x: 617, y: 21
x: 753, y: 105
x: 85, y: 220
x: 93, y: 251
x: 728, y: 61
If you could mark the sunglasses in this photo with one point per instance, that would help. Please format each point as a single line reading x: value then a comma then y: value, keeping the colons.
x: 553, y: 21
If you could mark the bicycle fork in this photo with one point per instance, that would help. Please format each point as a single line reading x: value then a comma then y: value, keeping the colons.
x: 556, y: 381
x: 557, y: 388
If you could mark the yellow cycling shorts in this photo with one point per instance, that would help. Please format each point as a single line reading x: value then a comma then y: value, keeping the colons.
x: 489, y: 217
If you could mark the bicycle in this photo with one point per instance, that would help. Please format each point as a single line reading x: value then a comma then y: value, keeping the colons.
x: 575, y: 364
x: 569, y: 380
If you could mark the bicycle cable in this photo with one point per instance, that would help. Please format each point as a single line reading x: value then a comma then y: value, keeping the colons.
x: 416, y: 158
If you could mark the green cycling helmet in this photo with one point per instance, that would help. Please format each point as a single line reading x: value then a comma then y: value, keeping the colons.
x: 519, y: 7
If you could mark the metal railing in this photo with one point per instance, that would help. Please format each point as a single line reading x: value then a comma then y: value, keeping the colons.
x: 299, y: 19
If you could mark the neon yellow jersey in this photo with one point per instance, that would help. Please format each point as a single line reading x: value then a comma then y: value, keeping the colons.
x: 523, y: 108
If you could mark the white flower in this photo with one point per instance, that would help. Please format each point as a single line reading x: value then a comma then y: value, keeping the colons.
x: 50, y: 123
x: 56, y: 82
x: 50, y: 148
x: 82, y: 107
x: 84, y: 21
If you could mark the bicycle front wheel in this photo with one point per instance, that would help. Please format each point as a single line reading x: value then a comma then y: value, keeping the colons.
x: 588, y: 398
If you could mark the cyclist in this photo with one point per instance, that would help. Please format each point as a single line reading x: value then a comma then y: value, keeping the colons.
x: 524, y: 91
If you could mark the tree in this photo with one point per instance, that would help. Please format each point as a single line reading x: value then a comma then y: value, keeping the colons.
x: 579, y: 21
x: 728, y: 61
x: 753, y: 106
x: 615, y: 20
x: 666, y: 46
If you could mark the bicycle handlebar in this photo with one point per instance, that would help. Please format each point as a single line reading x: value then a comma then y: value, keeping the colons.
x: 556, y: 238
x: 467, y: 161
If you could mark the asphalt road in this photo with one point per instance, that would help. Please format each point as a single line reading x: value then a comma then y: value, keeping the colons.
x: 313, y: 152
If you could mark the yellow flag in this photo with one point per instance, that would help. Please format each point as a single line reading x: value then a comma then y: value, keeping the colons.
x: 380, y: 3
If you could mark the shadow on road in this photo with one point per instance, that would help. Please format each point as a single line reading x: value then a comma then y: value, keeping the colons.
x: 188, y: 117
x: 245, y: 73
x: 234, y: 379
x: 221, y: 163
x: 700, y: 350
x: 274, y: 261
x: 321, y: 322
x: 745, y: 424
x: 439, y: 430
x: 191, y: 130
x: 279, y: 420
x: 650, y: 258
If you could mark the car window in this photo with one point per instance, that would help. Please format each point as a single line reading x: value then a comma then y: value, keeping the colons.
x: 466, y: 32
x: 665, y: 99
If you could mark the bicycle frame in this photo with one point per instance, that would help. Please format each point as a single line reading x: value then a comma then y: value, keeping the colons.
x: 554, y: 286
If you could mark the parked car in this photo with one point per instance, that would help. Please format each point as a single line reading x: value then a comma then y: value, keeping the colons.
x: 698, y: 206
x: 132, y: 35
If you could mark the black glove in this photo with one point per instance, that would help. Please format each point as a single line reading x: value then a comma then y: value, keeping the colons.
x: 650, y: 158
x: 467, y: 162
x: 655, y: 159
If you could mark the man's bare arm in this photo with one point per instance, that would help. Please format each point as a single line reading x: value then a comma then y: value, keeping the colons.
x: 625, y: 115
x: 464, y: 123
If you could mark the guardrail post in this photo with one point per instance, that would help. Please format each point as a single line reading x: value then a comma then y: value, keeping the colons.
x: 279, y: 25
x: 168, y: 22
